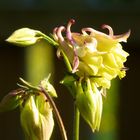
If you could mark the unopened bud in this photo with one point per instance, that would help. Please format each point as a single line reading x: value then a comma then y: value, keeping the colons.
x: 89, y: 102
x: 24, y: 37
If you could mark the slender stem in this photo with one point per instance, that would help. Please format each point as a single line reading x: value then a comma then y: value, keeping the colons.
x: 49, y: 39
x: 76, y: 123
x: 67, y: 62
x: 56, y: 113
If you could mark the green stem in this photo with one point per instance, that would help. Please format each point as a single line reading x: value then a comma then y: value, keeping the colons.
x: 49, y: 39
x: 76, y: 123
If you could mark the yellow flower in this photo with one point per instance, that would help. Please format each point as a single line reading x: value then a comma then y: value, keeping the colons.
x: 93, y: 53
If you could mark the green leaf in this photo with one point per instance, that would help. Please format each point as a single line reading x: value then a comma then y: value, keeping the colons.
x: 11, y: 100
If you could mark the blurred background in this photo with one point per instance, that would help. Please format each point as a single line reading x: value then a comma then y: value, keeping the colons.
x: 121, y: 115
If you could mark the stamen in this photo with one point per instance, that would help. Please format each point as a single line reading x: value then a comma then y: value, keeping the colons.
x: 111, y: 33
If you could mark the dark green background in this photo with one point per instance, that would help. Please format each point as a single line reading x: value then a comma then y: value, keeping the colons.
x: 44, y: 15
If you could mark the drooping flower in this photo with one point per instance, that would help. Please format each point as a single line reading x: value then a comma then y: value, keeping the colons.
x: 93, y: 53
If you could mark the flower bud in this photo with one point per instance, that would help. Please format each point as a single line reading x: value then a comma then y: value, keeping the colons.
x: 37, y: 118
x: 48, y: 87
x: 24, y: 37
x: 89, y: 103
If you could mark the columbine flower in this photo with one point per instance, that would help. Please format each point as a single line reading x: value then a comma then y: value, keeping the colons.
x: 93, y: 53
x: 25, y: 37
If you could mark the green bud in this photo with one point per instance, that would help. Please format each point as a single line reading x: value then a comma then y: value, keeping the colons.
x: 25, y: 37
x: 37, y: 118
x: 89, y: 102
x: 48, y: 87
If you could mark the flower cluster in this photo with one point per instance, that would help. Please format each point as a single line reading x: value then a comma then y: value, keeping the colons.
x: 93, y: 59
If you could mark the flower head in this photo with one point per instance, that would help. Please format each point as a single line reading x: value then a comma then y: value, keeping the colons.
x: 93, y: 53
